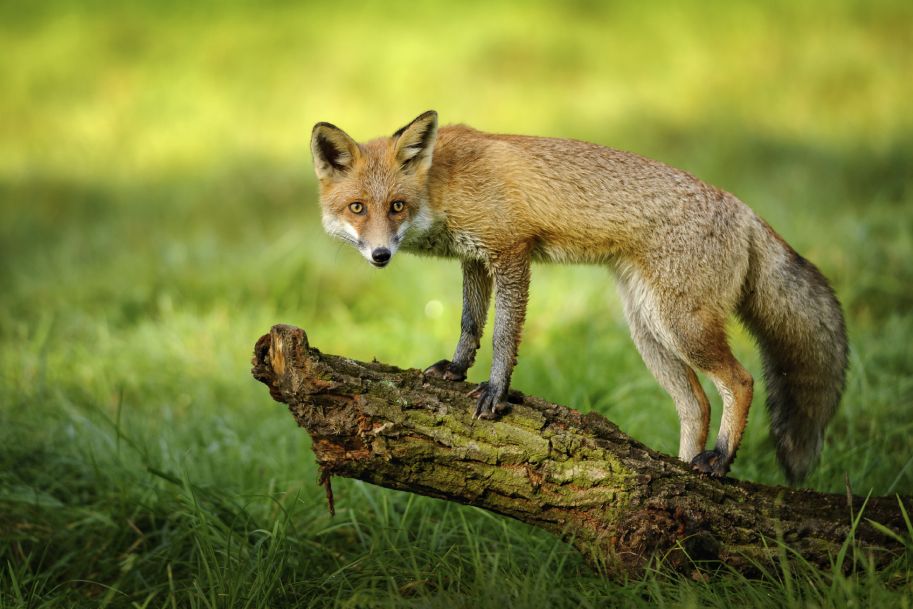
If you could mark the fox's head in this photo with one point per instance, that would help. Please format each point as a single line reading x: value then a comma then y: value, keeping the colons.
x: 371, y: 194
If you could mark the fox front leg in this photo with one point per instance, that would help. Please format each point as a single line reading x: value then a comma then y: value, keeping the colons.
x: 476, y: 298
x: 511, y: 275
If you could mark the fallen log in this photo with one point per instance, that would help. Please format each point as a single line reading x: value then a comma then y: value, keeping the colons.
x: 576, y: 475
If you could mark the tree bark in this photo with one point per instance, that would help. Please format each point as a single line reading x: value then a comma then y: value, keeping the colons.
x: 576, y: 475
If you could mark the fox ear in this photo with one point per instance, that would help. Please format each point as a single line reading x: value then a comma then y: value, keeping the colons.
x: 415, y: 142
x: 333, y: 150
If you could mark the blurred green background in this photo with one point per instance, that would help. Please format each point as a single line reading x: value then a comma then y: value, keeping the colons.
x: 158, y: 213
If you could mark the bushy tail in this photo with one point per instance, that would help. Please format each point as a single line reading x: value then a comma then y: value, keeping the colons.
x: 793, y: 313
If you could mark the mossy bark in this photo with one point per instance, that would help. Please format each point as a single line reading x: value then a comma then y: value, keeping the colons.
x: 574, y: 474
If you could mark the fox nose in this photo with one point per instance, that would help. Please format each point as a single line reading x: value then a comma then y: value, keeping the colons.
x: 381, y: 256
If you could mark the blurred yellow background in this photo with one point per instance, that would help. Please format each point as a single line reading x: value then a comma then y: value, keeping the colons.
x: 149, y: 88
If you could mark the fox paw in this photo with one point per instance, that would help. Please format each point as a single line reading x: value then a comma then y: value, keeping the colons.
x: 447, y: 370
x: 491, y: 404
x: 712, y: 463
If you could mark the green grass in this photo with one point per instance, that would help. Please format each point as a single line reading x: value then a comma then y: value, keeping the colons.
x: 158, y: 214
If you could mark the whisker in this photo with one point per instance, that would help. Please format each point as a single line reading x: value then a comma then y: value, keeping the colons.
x: 344, y: 237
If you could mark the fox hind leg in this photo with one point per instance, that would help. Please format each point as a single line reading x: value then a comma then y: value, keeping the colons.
x: 675, y: 339
x: 736, y: 386
x: 700, y: 339
x: 673, y: 375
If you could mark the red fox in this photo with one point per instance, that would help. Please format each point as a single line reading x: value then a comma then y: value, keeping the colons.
x: 685, y: 254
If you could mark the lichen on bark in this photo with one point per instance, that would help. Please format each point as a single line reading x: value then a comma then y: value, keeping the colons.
x: 574, y: 474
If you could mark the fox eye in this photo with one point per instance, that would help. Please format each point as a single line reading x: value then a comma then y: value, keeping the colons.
x: 397, y: 206
x: 357, y: 208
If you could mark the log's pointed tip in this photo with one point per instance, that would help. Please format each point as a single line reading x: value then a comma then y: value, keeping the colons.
x: 285, y: 342
x: 290, y: 335
x: 273, y: 350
